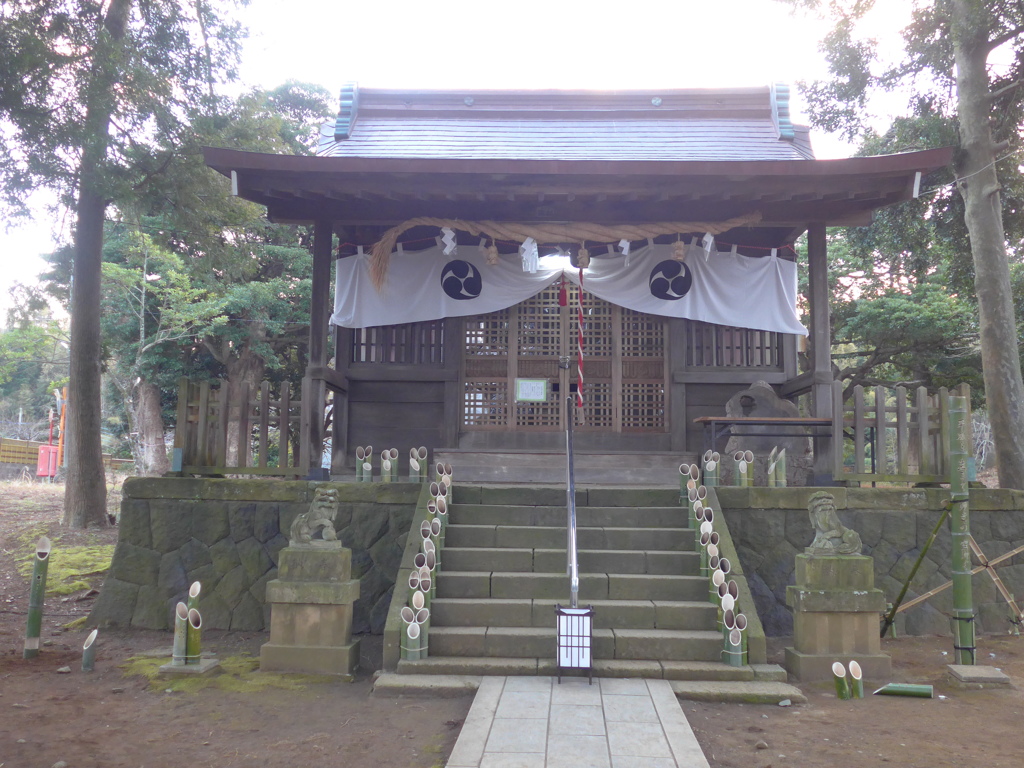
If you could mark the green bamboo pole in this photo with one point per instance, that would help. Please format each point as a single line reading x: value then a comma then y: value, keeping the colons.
x: 780, y: 469
x: 360, y: 457
x: 35, y: 598
x: 739, y: 469
x: 890, y: 617
x: 421, y: 456
x: 906, y: 689
x: 705, y: 539
x: 856, y: 680
x: 960, y: 524
x: 178, y: 648
x: 748, y: 456
x: 423, y: 621
x: 193, y: 638
x: 89, y: 652
x: 842, y: 684
x: 741, y: 627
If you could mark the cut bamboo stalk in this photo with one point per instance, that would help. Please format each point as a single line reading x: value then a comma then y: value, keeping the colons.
x: 410, y: 648
x: 193, y: 595
x: 715, y: 538
x: 842, y: 684
x: 414, y: 580
x: 179, y: 649
x: 193, y: 637
x: 416, y: 601
x: 360, y: 458
x: 439, y: 471
x: 435, y: 489
x: 717, y: 580
x: 748, y: 456
x: 37, y: 594
x: 741, y: 626
x: 906, y: 689
x: 771, y: 475
x: 705, y: 570
x: 739, y: 469
x: 724, y: 566
x: 735, y: 655
x: 856, y: 680
x: 780, y: 469
x: 423, y: 622
x: 711, y: 473
x: 393, y: 458
x: 89, y: 652
x: 684, y: 475
x: 728, y: 602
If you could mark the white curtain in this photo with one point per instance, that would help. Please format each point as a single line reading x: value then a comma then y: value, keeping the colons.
x: 724, y: 289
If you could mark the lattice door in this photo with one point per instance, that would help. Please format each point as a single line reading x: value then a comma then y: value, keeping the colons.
x: 624, y: 366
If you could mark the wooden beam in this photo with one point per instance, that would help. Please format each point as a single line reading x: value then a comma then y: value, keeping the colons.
x: 319, y: 325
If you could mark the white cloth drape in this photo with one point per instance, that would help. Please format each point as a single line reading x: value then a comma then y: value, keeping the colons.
x: 725, y: 289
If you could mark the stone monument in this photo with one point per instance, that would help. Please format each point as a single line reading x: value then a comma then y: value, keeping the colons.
x: 759, y: 400
x: 835, y: 604
x: 312, y: 597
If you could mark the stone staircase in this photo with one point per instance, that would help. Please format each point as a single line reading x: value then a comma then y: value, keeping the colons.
x: 503, y: 572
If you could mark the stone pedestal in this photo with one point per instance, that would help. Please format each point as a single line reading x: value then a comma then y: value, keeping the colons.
x: 311, y: 611
x: 836, y: 612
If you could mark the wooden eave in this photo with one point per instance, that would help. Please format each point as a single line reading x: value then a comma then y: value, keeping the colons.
x: 789, y: 194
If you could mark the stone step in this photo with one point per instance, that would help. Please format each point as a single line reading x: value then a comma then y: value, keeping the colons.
x: 754, y: 692
x: 555, y: 516
x: 541, y: 642
x: 537, y: 537
x: 535, y: 494
x: 608, y: 614
x: 553, y: 560
x: 706, y: 671
x: 555, y: 586
x: 547, y: 465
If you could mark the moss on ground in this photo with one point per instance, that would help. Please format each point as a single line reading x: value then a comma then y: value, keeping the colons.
x: 71, y: 569
x: 238, y: 674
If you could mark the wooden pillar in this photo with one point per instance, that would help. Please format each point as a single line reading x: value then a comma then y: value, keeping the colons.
x: 319, y: 332
x: 821, y: 347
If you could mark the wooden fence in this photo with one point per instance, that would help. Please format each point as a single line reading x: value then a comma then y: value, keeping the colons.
x: 896, y: 438
x: 218, y: 436
x: 26, y: 452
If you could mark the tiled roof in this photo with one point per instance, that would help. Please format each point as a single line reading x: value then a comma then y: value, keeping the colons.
x: 739, y: 124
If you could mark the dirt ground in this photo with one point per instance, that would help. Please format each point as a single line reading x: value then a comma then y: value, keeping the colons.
x: 112, y: 718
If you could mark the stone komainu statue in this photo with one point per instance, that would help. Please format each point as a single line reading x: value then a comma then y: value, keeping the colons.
x: 831, y: 537
x: 318, y: 521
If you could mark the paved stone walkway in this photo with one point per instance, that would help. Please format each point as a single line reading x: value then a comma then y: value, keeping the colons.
x: 533, y: 722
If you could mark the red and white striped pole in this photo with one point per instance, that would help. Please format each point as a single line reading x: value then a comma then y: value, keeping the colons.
x: 579, y: 347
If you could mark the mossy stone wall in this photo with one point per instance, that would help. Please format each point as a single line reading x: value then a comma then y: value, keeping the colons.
x: 770, y: 527
x: 227, y: 534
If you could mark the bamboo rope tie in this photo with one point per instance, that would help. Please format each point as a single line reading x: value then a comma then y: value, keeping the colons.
x: 546, y: 233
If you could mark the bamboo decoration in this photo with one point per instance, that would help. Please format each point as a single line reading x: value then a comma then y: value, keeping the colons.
x: 717, y: 580
x: 856, y: 680
x: 35, y: 598
x: 421, y: 457
x: 780, y: 469
x: 705, y: 539
x: 385, y: 470
x: 437, y: 533
x: 89, y: 652
x: 438, y: 471
x: 739, y: 469
x: 842, y: 684
x: 741, y: 627
x: 684, y: 477
x: 748, y: 457
x: 193, y: 595
x: 960, y: 524
x: 772, y: 481
x: 179, y: 648
x: 368, y: 464
x: 410, y: 647
x: 193, y: 637
x: 360, y: 458
x: 712, y: 465
x: 906, y: 689
x: 423, y: 622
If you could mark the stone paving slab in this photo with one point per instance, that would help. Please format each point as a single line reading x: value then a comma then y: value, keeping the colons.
x: 535, y: 722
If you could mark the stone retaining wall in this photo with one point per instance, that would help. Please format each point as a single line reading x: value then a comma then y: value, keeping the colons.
x: 227, y: 535
x: 770, y: 526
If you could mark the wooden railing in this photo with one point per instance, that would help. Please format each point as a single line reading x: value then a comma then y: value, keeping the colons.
x: 896, y: 438
x: 209, y: 423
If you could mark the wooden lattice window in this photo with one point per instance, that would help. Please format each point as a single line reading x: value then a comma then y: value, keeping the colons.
x: 625, y: 366
x: 408, y: 343
x: 721, y: 346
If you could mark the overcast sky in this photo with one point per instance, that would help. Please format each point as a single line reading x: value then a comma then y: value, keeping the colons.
x: 593, y: 44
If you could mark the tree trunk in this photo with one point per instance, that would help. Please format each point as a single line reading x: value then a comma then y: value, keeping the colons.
x: 246, y: 367
x: 85, y: 494
x: 1004, y: 388
x: 149, y: 422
